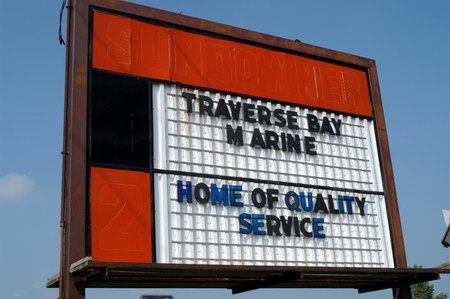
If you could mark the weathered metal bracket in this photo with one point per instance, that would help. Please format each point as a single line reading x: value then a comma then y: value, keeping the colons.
x: 267, y: 282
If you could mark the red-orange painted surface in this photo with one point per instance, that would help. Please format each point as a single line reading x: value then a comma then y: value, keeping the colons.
x: 120, y: 216
x: 125, y: 45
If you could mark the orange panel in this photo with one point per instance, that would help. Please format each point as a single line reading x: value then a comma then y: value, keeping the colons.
x: 125, y: 45
x: 128, y: 46
x: 120, y: 216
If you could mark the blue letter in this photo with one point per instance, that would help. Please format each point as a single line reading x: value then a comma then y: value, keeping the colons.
x: 341, y: 204
x: 317, y: 228
x: 295, y: 205
x: 234, y: 194
x: 257, y: 224
x: 307, y: 207
x: 348, y: 201
x: 184, y: 192
x: 221, y: 196
x: 246, y: 227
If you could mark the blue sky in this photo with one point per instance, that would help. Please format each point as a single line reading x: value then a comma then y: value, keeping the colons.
x: 410, y: 40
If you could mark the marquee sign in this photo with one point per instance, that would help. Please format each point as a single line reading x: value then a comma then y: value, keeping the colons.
x: 273, y: 170
x: 289, y: 186
x: 199, y: 147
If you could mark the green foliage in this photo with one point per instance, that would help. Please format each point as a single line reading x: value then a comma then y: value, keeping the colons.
x: 441, y: 296
x: 425, y: 290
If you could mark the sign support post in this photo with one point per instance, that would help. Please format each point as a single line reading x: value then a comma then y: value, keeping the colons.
x: 73, y: 243
x: 396, y: 227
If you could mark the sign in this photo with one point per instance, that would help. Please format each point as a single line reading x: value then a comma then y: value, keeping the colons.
x: 280, y: 168
x: 194, y: 150
x: 289, y: 186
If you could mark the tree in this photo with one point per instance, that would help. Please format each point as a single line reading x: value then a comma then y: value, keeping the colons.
x: 425, y: 290
x: 441, y: 296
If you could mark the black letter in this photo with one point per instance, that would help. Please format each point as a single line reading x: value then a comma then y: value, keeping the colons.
x: 249, y: 111
x: 264, y: 115
x: 294, y: 144
x: 337, y: 126
x: 310, y: 146
x: 303, y: 228
x: 333, y: 210
x: 222, y: 109
x: 280, y: 120
x: 261, y: 193
x: 273, y: 227
x: 257, y: 139
x: 361, y: 204
x: 296, y: 227
x: 189, y: 97
x: 206, y: 193
x: 292, y: 119
x: 326, y: 126
x: 271, y: 198
x: 320, y: 205
x: 206, y: 105
x: 313, y: 123
x: 272, y: 140
x: 287, y: 225
x: 235, y: 137
x: 235, y: 110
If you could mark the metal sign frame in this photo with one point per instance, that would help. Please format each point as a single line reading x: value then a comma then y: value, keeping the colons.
x: 76, y: 267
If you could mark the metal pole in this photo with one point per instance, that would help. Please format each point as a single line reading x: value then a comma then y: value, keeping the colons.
x: 73, y: 197
x: 62, y: 266
x: 402, y: 293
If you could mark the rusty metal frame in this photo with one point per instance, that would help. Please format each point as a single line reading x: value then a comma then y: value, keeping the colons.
x: 242, y: 278
x: 74, y: 172
x: 74, y: 150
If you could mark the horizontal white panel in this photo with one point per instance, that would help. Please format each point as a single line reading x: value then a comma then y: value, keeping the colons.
x: 198, y: 143
x: 207, y: 233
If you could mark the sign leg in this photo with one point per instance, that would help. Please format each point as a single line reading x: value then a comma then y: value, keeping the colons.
x: 402, y: 293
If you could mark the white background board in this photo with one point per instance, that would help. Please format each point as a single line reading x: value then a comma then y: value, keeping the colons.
x: 193, y: 147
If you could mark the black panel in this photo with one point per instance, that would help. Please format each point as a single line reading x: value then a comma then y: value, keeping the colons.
x: 120, y: 119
